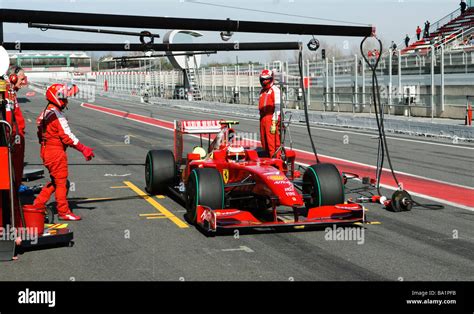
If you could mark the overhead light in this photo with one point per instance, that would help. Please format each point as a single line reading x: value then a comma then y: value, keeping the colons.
x: 313, y: 44
x: 226, y: 35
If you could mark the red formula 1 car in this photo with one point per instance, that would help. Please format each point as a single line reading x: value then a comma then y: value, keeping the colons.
x: 228, y: 186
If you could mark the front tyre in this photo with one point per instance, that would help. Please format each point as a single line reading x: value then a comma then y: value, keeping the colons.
x: 205, y: 187
x: 324, y: 184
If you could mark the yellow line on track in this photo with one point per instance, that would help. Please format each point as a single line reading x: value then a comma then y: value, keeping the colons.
x: 156, y: 205
x: 368, y: 223
x: 94, y: 199
x: 152, y: 215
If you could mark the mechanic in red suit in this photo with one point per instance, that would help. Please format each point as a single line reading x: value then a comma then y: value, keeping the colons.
x: 14, y: 117
x: 269, y: 106
x: 55, y: 136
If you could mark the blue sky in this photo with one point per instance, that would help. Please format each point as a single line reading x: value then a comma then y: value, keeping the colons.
x: 392, y: 18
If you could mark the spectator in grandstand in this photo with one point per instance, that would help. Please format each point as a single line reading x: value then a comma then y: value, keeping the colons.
x: 463, y: 6
x: 376, y: 53
x: 471, y: 40
x: 370, y: 55
x: 394, y: 48
x: 418, y: 32
x: 407, y: 40
x: 373, y: 56
x: 426, y: 33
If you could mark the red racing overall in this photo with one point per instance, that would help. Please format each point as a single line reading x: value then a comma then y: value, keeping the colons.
x: 269, y: 106
x: 55, y: 136
x: 14, y: 117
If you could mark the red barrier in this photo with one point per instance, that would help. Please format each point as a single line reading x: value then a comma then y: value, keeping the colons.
x: 468, y: 115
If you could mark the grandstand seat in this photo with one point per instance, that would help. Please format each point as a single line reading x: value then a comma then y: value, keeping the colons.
x: 443, y: 33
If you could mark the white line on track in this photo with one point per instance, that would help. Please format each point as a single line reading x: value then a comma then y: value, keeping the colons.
x: 303, y: 151
x: 365, y: 134
x: 434, y: 199
x: 126, y: 103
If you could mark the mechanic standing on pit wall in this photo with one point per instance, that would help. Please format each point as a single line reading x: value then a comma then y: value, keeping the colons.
x: 14, y: 116
x: 55, y: 136
x: 269, y: 106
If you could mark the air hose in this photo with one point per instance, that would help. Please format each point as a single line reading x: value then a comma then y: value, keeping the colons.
x: 305, y: 105
x: 401, y: 200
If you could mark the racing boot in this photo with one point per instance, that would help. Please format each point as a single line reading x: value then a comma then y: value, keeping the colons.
x: 70, y: 216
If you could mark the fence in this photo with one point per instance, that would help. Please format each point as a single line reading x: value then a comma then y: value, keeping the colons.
x: 433, y: 84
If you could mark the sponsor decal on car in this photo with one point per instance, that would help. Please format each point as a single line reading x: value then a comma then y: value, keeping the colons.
x: 277, y: 178
x: 228, y: 213
x: 271, y: 173
x: 206, y: 215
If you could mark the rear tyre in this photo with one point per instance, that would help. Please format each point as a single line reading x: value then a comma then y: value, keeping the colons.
x: 160, y: 170
x: 205, y: 187
x: 323, y: 183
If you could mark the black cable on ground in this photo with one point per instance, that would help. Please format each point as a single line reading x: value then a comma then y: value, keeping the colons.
x: 427, y: 206
x: 382, y: 149
x: 305, y: 105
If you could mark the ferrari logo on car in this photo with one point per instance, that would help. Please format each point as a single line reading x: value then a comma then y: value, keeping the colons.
x: 225, y: 175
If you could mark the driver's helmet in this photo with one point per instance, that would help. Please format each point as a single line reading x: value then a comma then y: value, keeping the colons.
x: 235, y: 153
x: 198, y: 150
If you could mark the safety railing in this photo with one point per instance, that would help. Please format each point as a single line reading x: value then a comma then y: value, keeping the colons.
x: 451, y: 38
x: 444, y: 20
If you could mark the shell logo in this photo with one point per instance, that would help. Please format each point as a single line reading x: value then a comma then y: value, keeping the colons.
x: 277, y: 178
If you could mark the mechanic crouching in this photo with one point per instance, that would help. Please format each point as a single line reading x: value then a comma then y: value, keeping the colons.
x: 55, y: 136
x: 269, y: 106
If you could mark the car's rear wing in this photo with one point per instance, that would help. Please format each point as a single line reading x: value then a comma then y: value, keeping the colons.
x: 196, y: 127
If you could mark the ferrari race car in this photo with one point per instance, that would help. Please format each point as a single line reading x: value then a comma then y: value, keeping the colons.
x: 229, y: 186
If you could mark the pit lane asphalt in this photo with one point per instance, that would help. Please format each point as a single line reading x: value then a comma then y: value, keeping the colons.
x: 114, y: 243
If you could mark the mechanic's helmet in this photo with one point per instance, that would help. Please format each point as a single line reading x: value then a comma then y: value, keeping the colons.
x: 235, y: 153
x: 198, y: 150
x: 266, y: 78
x: 57, y: 94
